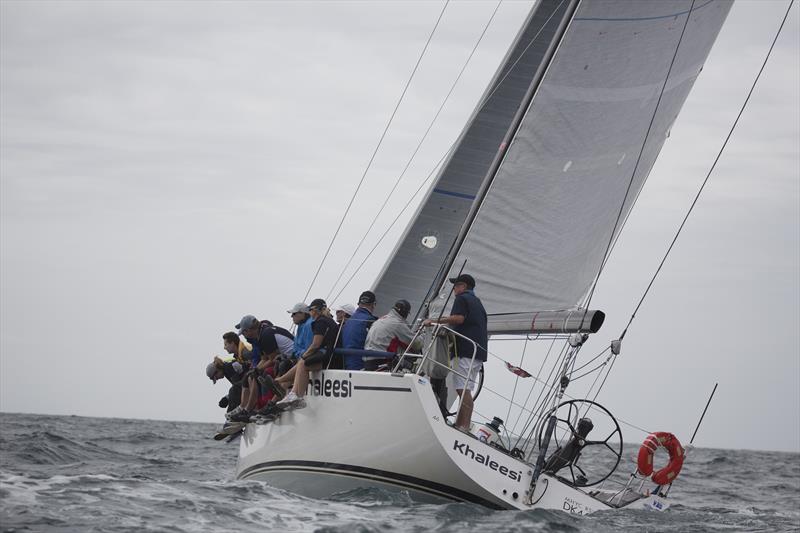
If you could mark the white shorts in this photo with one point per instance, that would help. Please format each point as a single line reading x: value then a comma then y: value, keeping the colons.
x: 462, y: 367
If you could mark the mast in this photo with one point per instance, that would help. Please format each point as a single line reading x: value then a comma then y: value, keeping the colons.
x: 503, y: 148
x: 417, y: 259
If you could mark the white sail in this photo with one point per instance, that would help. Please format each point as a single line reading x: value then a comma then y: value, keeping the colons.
x: 421, y: 252
x: 541, y: 230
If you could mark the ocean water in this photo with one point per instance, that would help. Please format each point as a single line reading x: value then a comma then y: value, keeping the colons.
x: 61, y: 473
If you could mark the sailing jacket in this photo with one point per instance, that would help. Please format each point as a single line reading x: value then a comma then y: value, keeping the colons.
x: 389, y: 334
x: 354, y: 334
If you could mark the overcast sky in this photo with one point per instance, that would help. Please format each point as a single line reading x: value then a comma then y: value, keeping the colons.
x: 166, y: 168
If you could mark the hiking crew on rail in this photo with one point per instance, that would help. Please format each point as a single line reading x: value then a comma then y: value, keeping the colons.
x: 269, y: 367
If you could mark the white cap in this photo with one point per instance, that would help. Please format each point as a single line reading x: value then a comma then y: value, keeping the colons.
x: 347, y: 308
x: 299, y: 307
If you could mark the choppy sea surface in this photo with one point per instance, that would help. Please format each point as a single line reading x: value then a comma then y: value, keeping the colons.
x: 62, y: 473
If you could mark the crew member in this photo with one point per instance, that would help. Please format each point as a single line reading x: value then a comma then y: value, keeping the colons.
x: 390, y: 333
x: 468, y: 318
x: 316, y: 356
x: 354, y: 330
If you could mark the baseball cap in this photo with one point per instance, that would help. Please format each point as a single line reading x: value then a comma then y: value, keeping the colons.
x: 347, y: 308
x: 367, y: 297
x: 318, y: 304
x: 299, y: 307
x: 464, y: 278
x: 247, y: 322
x: 211, y: 371
x: 402, y: 307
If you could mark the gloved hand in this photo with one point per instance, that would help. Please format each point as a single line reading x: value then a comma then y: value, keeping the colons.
x: 224, y: 402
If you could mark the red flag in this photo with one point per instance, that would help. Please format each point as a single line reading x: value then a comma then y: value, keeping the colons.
x: 517, y: 370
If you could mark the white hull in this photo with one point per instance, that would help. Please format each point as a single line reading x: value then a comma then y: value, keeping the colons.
x: 374, y: 429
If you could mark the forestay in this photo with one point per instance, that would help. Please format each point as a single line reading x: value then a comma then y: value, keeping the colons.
x: 421, y: 252
x: 542, y: 231
x: 570, y: 174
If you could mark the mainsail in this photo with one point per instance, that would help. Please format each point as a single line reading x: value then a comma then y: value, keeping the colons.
x: 534, y: 227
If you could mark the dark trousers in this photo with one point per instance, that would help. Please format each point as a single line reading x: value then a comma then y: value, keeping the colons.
x: 234, y: 397
x: 439, y: 387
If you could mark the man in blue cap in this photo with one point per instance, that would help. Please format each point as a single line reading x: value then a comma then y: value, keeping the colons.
x: 269, y: 342
x: 354, y: 330
x: 467, y: 318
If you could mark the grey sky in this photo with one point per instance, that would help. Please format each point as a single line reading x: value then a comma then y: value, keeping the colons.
x: 167, y: 167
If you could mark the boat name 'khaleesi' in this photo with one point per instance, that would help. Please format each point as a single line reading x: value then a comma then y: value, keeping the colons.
x: 338, y: 388
x: 464, y: 449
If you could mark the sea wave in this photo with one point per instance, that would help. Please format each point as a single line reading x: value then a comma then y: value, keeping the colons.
x: 83, y: 474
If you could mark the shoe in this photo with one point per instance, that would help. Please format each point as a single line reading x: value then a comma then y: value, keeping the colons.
x: 289, y: 399
x: 270, y: 409
x: 263, y: 419
x: 243, y: 416
x: 299, y: 404
x: 233, y: 412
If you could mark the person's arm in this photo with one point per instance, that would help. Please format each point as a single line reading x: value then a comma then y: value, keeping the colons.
x: 267, y: 360
x: 269, y: 348
x: 404, y: 333
x: 451, y: 320
x: 316, y: 342
x: 457, y: 315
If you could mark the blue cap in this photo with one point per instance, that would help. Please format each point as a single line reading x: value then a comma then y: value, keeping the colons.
x: 247, y: 322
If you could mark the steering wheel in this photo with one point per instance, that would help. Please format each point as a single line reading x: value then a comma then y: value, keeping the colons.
x: 599, y: 458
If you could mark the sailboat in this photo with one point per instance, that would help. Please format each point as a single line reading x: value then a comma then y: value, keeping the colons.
x: 529, y: 202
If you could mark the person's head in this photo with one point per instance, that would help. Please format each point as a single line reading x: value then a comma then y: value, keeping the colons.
x: 403, y: 307
x: 462, y: 283
x: 367, y: 300
x: 214, y: 370
x: 317, y: 308
x: 230, y: 341
x: 249, y: 326
x: 299, y: 313
x: 344, y: 311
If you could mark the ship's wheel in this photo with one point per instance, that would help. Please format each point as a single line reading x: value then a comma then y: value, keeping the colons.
x: 585, y: 447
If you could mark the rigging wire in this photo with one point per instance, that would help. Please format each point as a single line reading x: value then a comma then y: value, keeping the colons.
x: 537, y: 380
x: 416, y: 150
x: 713, y: 166
x: 385, y: 233
x: 516, y: 381
x: 375, y: 152
x: 697, y: 196
x: 639, y: 158
x: 448, y: 152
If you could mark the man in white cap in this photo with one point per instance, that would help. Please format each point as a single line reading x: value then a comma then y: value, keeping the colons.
x: 315, y: 357
x: 302, y: 319
x: 343, y: 312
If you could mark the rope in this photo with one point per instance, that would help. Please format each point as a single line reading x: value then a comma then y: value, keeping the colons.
x: 414, y: 154
x: 449, y: 151
x: 375, y: 152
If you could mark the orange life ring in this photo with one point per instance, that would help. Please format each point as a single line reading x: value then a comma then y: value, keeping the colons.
x: 676, y: 455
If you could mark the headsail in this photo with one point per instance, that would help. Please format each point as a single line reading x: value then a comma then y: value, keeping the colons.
x: 421, y: 252
x: 541, y: 231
